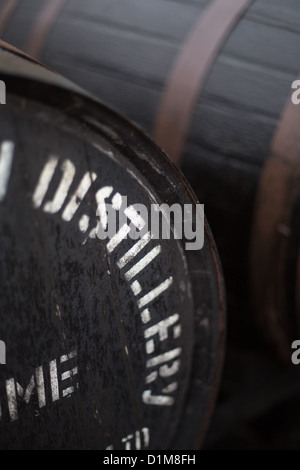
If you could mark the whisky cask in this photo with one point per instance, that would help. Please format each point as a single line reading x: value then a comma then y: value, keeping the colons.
x: 111, y: 342
x: 210, y: 80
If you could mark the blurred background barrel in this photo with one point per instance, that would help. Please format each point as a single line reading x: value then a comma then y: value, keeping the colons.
x: 210, y: 80
x: 111, y: 343
x: 235, y: 62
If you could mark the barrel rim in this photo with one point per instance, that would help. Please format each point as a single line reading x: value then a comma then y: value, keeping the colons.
x: 70, y: 100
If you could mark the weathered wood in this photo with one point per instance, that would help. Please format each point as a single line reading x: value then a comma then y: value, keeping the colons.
x: 95, y: 357
x: 125, y: 53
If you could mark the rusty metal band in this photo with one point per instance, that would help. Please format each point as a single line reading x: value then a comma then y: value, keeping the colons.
x: 190, y: 71
x: 6, y: 13
x: 278, y: 189
x: 44, y: 22
x: 9, y: 48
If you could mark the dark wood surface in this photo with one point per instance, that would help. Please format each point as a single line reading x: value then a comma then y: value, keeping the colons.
x: 123, y: 51
x: 66, y: 304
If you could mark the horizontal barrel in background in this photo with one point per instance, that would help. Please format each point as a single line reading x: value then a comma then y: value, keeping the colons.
x: 114, y: 343
x: 210, y: 79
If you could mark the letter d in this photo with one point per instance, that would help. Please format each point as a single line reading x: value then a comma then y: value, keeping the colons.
x: 151, y: 459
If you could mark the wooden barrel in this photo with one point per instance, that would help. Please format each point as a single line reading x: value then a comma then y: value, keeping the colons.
x: 111, y: 342
x: 210, y: 80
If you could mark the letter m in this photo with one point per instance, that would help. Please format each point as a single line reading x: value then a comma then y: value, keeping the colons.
x: 14, y: 390
x: 163, y: 213
x: 2, y: 92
